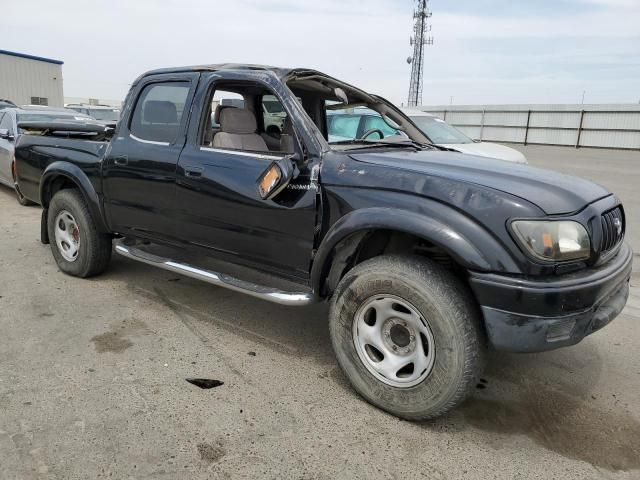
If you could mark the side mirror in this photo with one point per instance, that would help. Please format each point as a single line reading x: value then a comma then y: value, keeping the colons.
x: 277, y: 176
x: 4, y: 134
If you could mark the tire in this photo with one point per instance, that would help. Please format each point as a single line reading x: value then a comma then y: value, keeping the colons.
x: 92, y: 249
x: 22, y: 200
x: 441, y: 319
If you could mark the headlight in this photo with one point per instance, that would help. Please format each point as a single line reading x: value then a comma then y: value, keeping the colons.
x: 553, y: 240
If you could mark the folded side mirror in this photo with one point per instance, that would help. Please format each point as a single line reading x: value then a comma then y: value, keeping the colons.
x: 5, y: 135
x: 277, y: 176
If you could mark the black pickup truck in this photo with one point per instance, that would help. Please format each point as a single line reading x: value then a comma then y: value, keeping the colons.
x: 427, y: 257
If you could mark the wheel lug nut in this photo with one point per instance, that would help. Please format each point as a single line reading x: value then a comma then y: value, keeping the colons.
x: 395, y: 347
x: 412, y: 338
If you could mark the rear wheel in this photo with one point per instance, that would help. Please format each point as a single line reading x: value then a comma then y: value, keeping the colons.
x: 407, y: 334
x: 78, y: 248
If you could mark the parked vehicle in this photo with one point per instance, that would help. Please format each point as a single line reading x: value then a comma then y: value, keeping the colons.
x: 426, y: 256
x: 9, y: 132
x: 102, y: 113
x: 441, y: 133
x: 6, y: 104
x: 348, y: 124
x: 274, y: 115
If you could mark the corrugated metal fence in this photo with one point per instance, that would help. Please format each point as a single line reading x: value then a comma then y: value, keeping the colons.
x: 603, y: 126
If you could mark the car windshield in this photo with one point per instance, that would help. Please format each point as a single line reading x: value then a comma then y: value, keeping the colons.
x: 439, y: 131
x: 105, y: 114
x: 272, y: 106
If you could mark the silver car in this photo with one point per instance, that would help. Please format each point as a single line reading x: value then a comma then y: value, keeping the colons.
x: 9, y: 133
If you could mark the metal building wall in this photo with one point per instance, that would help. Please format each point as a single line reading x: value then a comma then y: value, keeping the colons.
x: 606, y: 126
x: 23, y: 78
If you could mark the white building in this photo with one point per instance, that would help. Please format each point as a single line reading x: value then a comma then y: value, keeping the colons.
x: 30, y: 80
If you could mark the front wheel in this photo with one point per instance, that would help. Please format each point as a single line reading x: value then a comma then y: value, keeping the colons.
x: 78, y: 248
x: 407, y: 334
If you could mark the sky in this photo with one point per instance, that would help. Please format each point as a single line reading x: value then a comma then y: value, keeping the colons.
x: 484, y: 51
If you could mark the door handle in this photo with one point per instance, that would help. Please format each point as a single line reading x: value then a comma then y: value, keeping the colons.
x: 193, y: 172
x: 121, y: 160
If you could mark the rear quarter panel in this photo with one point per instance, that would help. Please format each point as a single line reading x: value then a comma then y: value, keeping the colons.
x: 35, y: 153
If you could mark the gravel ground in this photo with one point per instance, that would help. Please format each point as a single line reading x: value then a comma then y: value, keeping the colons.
x: 92, y: 380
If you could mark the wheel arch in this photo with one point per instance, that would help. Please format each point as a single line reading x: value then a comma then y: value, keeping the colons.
x: 61, y: 175
x: 375, y: 229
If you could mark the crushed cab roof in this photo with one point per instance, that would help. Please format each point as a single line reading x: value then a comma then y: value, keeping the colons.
x: 281, y: 72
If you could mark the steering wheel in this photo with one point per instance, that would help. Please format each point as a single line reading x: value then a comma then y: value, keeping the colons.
x: 370, y: 131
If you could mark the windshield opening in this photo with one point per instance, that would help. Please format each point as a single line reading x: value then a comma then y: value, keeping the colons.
x: 349, y: 118
x: 439, y: 131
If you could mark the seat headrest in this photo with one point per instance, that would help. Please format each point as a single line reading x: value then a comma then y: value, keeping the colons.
x: 216, y: 114
x: 237, y: 120
x: 159, y: 111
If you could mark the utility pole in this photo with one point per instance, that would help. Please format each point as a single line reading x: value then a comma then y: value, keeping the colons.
x: 421, y: 37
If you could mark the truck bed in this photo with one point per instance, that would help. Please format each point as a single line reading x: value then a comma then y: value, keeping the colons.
x: 34, y: 153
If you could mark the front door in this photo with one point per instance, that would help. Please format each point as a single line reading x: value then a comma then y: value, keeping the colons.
x: 219, y: 207
x: 139, y: 171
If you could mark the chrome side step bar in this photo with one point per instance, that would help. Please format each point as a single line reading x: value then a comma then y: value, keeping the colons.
x: 214, y: 278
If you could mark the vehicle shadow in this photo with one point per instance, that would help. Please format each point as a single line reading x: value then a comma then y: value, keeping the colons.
x: 8, y: 191
x: 551, y: 399
x: 299, y: 331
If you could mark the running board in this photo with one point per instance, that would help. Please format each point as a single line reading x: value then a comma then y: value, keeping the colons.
x: 215, y: 278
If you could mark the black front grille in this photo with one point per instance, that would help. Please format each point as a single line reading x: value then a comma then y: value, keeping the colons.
x: 612, y: 229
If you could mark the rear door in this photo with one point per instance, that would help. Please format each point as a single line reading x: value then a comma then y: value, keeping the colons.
x: 139, y: 171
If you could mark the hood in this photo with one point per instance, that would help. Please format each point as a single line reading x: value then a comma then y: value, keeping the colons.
x: 488, y: 149
x: 553, y: 192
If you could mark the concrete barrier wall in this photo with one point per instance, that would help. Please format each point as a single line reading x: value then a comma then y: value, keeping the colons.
x: 604, y: 126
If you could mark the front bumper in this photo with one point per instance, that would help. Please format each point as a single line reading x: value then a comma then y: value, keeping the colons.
x: 533, y: 315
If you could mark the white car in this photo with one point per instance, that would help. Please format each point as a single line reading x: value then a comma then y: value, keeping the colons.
x: 274, y: 114
x: 443, y: 134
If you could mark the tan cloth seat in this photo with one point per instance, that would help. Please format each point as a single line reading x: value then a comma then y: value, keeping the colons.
x: 238, y: 131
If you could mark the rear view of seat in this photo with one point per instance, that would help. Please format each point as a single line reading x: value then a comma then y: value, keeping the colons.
x: 160, y: 121
x: 238, y: 131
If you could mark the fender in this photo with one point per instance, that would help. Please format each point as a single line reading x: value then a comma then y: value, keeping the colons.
x: 74, y: 174
x: 482, y: 252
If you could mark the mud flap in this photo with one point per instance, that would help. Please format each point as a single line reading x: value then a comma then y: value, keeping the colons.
x: 44, y: 233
